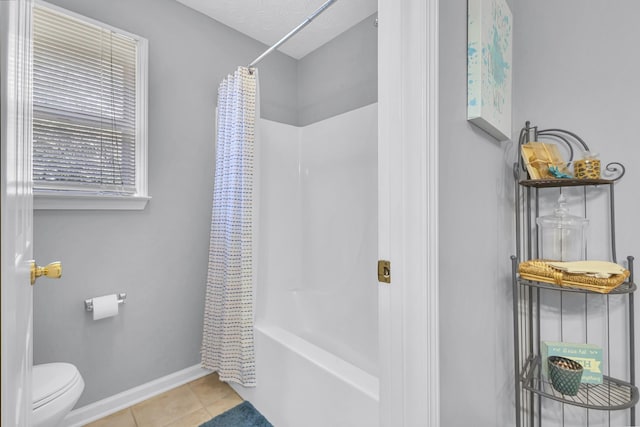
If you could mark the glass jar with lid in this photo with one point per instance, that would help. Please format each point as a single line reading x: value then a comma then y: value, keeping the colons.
x: 562, y: 235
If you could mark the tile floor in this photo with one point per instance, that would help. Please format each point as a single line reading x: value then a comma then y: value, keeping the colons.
x: 186, y: 406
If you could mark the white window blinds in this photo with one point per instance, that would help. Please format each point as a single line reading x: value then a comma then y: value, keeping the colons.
x: 84, y: 106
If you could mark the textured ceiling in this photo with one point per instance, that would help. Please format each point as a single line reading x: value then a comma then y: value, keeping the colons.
x: 269, y: 20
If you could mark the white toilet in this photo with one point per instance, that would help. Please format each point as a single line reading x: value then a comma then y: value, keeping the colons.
x: 56, y: 388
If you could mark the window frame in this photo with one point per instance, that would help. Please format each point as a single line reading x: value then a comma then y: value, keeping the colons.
x: 52, y: 199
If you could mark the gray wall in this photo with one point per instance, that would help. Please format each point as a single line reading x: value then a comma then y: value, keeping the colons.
x: 339, y: 76
x: 579, y: 77
x: 580, y: 72
x: 475, y: 232
x: 159, y: 255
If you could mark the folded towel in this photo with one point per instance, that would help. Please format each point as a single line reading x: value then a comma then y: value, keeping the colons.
x: 601, y: 269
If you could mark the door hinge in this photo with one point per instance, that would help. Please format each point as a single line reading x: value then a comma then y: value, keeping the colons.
x: 384, y: 271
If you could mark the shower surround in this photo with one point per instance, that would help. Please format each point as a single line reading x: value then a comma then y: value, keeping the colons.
x: 317, y: 303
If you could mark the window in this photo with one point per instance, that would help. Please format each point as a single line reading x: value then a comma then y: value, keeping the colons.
x: 89, y: 113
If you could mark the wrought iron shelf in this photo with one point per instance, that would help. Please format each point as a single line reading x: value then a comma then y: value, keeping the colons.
x: 533, y: 320
x: 613, y: 394
x: 564, y: 182
x: 624, y: 288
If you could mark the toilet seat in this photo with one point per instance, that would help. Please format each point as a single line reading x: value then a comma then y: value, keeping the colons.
x: 52, y: 380
x: 56, y: 388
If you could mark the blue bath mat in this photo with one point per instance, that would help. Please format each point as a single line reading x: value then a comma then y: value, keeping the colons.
x: 243, y: 415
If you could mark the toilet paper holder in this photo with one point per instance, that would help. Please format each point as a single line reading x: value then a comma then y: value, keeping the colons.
x: 88, y: 303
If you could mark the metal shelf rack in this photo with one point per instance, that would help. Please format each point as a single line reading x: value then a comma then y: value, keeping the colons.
x: 531, y: 298
x: 612, y: 394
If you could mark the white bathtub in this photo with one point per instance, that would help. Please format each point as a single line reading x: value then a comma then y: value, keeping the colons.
x: 302, y: 385
x: 316, y: 298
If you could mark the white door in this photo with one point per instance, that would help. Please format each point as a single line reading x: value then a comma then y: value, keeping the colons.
x: 408, y: 212
x: 17, y: 213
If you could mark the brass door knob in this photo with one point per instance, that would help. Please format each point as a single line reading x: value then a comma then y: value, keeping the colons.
x: 52, y: 271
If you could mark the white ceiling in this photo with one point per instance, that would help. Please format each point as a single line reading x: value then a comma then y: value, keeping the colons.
x: 269, y: 20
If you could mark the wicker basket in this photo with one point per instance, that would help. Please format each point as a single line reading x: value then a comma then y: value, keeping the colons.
x: 539, y: 271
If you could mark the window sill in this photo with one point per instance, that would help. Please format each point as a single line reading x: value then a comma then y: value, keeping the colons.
x: 48, y: 201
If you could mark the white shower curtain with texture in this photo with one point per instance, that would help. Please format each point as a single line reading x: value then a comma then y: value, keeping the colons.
x: 228, y: 341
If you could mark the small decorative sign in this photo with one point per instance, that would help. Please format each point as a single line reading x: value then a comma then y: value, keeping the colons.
x: 489, y: 52
x: 588, y: 355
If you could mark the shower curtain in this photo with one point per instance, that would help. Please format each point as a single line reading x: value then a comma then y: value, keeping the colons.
x: 228, y: 343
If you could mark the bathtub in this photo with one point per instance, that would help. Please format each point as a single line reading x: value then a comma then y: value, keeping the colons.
x: 302, y: 385
x: 316, y: 295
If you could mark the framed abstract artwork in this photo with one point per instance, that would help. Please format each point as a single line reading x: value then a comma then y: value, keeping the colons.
x: 489, y: 52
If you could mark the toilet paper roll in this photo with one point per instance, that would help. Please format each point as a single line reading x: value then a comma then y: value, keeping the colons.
x: 105, y: 306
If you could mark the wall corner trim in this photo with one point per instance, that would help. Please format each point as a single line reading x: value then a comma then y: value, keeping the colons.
x: 100, y: 409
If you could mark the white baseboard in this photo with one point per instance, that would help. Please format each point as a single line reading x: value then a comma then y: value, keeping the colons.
x: 102, y: 408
